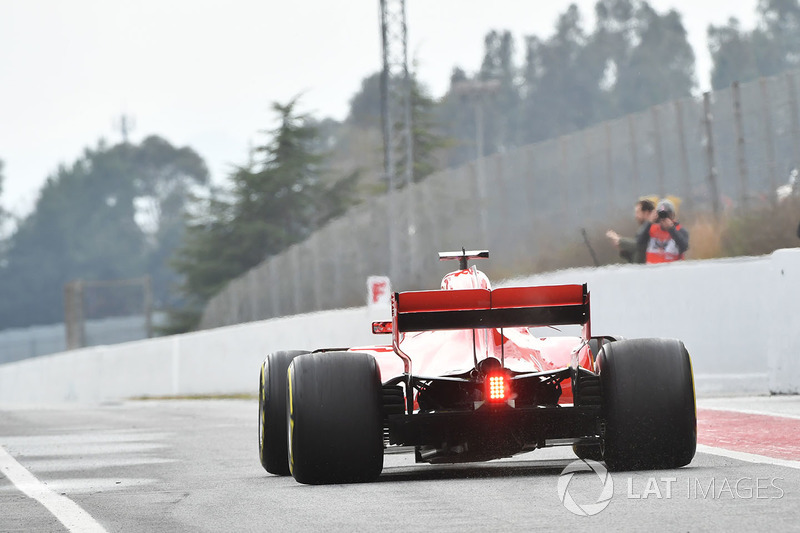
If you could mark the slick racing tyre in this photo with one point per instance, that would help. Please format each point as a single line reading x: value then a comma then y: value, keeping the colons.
x: 648, y: 404
x: 272, y: 439
x: 335, y: 418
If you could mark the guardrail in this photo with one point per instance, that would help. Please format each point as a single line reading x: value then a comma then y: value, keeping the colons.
x: 738, y: 318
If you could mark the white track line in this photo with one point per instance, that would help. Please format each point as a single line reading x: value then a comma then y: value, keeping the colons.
x: 749, y: 457
x: 68, y: 512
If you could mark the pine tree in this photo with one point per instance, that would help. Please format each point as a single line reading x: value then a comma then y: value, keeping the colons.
x: 275, y: 201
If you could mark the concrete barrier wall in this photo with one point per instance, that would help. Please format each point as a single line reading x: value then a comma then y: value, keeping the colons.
x: 784, y: 327
x: 738, y: 317
x: 217, y: 361
x: 718, y: 308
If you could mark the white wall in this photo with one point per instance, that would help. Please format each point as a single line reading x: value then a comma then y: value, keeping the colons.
x: 738, y: 317
x: 719, y: 308
x: 216, y: 361
x: 784, y: 328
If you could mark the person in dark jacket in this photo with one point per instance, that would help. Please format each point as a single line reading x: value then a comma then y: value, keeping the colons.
x: 629, y: 248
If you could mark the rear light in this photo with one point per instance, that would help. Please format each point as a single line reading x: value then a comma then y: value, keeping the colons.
x: 379, y: 328
x: 496, y: 388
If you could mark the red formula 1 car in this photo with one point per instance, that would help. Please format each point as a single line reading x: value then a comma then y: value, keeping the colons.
x: 467, y: 379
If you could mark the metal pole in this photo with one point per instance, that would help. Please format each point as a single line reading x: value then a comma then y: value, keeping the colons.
x: 659, y: 155
x: 740, y: 155
x: 274, y: 286
x: 147, y: 286
x: 408, y: 102
x: 565, y: 188
x: 768, y: 140
x: 712, y: 168
x: 795, y: 118
x: 73, y: 315
x: 685, y: 178
x: 587, y: 159
x: 481, y: 169
x: 409, y: 228
x: 388, y: 148
x: 296, y: 294
x: 609, y: 160
x: 634, y: 155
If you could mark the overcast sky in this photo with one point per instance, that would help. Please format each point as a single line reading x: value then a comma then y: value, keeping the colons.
x: 203, y: 73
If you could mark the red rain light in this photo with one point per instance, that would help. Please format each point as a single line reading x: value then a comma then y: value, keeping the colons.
x: 496, y: 389
x: 379, y: 328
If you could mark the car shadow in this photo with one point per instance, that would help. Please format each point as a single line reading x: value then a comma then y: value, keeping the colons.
x: 426, y: 472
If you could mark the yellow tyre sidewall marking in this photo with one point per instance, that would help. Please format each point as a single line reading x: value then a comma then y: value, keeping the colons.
x: 291, y: 419
x: 261, y: 410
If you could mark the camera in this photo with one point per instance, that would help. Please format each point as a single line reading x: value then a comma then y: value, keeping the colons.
x: 662, y: 214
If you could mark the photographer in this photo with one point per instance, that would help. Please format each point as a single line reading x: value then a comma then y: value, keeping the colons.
x: 664, y: 239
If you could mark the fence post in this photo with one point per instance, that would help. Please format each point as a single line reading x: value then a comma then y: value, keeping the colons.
x: 562, y: 167
x: 659, y: 155
x: 794, y: 117
x: 768, y: 140
x: 712, y: 167
x: 74, y: 320
x: 147, y: 297
x: 609, y: 163
x: 634, y: 155
x: 587, y: 159
x: 316, y: 253
x: 686, y: 182
x: 273, y: 287
x: 741, y: 160
x: 296, y: 279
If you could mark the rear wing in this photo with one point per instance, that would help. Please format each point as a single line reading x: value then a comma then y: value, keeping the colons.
x: 481, y: 308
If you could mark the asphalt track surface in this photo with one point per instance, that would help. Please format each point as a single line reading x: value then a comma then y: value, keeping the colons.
x: 182, y: 465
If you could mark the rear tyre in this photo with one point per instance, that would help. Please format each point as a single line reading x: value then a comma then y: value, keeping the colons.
x: 648, y: 404
x: 335, y: 418
x: 272, y: 442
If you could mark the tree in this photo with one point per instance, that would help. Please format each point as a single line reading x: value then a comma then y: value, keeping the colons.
x: 660, y: 67
x: 777, y: 37
x: 646, y: 56
x: 457, y: 117
x: 491, y: 97
x: 560, y: 84
x: 502, y: 124
x: 634, y: 58
x: 428, y: 142
x: 84, y: 226
x: 275, y: 201
x: 732, y: 54
x: 365, y: 105
x: 772, y: 47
